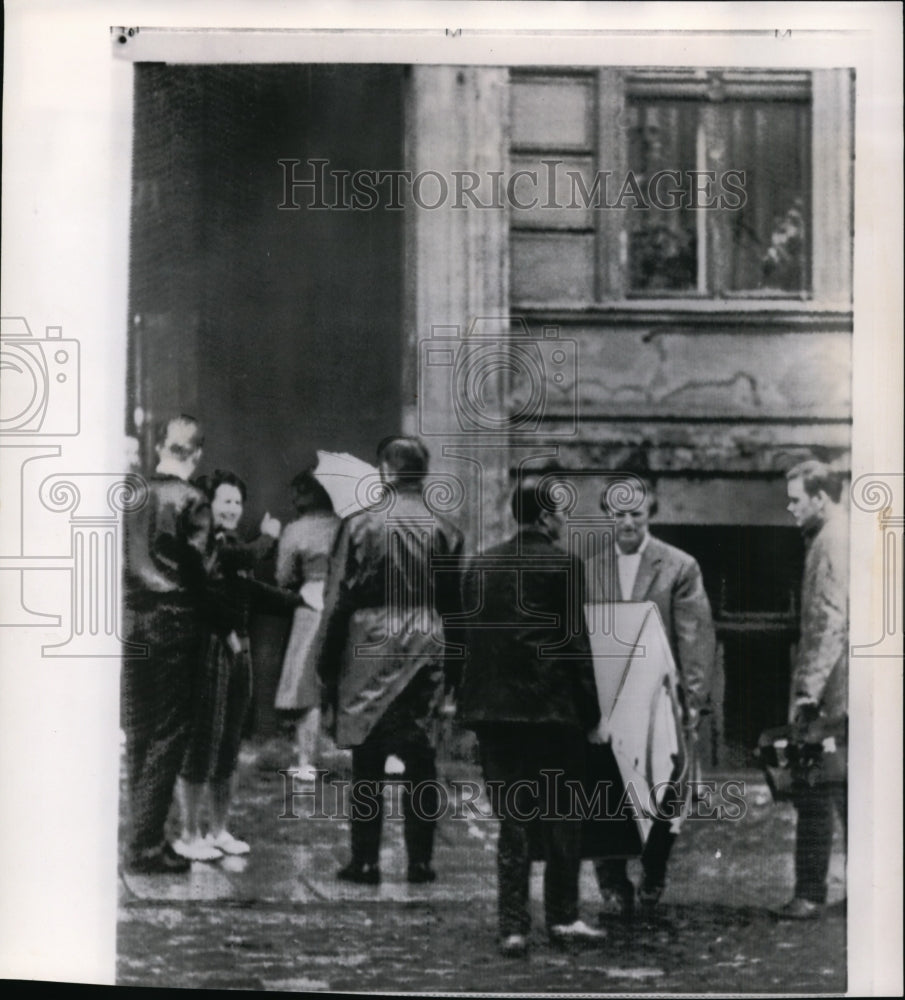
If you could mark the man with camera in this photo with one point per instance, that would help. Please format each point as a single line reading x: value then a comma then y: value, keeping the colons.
x: 818, y: 710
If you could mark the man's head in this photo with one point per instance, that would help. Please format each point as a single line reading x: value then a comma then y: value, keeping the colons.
x: 813, y: 489
x: 179, y: 444
x: 537, y: 503
x: 403, y: 461
x: 631, y: 502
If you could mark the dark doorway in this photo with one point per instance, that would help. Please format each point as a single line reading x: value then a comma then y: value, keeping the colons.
x: 753, y: 578
x: 280, y: 329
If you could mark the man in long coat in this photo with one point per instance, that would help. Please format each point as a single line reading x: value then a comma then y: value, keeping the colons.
x: 819, y: 696
x: 529, y: 694
x: 393, y: 574
x: 648, y: 569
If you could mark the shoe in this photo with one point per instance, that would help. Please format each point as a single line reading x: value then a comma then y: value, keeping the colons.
x: 421, y: 871
x: 363, y: 874
x: 514, y: 946
x: 578, y: 932
x: 617, y: 902
x: 798, y: 909
x: 227, y: 843
x: 197, y: 849
x: 163, y: 862
x: 649, y: 896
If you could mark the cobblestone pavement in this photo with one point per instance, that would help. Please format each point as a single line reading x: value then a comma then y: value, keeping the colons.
x: 279, y: 920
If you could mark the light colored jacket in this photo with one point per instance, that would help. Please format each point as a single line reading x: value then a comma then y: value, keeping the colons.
x: 820, y: 674
x: 671, y: 579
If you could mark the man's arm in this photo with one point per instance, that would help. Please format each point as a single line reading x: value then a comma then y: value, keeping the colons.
x: 333, y: 628
x: 824, y: 627
x: 695, y: 637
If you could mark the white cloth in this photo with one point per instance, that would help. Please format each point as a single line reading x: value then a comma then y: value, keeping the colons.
x: 627, y: 564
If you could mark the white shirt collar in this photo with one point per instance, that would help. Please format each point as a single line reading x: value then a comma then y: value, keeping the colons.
x: 637, y: 552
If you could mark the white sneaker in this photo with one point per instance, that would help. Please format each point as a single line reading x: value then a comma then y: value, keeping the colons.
x: 578, y: 930
x: 197, y: 849
x: 226, y: 843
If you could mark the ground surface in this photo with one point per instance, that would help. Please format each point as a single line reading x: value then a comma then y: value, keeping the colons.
x: 279, y: 920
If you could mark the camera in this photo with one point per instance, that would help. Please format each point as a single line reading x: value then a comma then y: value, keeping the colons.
x: 498, y: 380
x: 40, y: 394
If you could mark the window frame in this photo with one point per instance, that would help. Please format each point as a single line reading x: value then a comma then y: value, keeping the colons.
x: 830, y: 227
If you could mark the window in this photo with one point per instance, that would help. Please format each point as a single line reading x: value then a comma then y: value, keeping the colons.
x: 678, y: 184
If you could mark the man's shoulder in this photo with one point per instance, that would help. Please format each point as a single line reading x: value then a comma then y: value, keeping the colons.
x: 671, y: 554
x: 172, y: 489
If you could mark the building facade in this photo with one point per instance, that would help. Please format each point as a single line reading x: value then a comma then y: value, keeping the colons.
x: 519, y: 264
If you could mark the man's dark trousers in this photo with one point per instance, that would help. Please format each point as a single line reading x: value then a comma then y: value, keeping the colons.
x: 526, y: 768
x: 395, y: 733
x: 156, y: 712
x: 814, y: 837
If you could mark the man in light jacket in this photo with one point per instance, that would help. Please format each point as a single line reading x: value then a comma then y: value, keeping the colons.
x: 647, y: 569
x: 819, y: 695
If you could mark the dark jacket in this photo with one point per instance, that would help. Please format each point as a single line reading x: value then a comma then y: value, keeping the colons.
x: 671, y: 579
x: 393, y: 574
x: 231, y: 591
x: 167, y: 545
x: 528, y: 653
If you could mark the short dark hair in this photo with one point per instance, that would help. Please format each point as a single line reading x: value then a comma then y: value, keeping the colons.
x: 220, y: 477
x: 817, y: 477
x: 191, y: 434
x: 406, y: 457
x: 534, y: 493
x: 307, y: 485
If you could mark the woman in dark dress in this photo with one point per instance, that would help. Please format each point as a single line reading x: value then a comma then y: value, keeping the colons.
x: 223, y: 695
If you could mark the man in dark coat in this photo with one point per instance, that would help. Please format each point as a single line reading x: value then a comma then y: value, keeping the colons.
x: 528, y: 691
x: 394, y: 573
x: 647, y: 569
x: 167, y: 543
x: 819, y: 701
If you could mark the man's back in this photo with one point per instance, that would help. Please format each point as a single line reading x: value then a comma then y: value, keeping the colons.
x: 528, y: 654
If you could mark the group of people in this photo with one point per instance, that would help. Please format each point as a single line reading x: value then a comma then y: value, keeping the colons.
x: 190, y: 591
x: 391, y: 622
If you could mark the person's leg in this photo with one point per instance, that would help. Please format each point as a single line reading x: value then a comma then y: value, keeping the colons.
x: 654, y: 860
x: 559, y: 758
x: 366, y: 805
x: 191, y: 796
x: 234, y: 701
x: 502, y: 763
x: 420, y: 802
x: 813, y: 843
x: 307, y: 728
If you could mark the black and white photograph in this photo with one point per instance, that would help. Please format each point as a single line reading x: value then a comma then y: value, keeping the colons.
x: 452, y: 498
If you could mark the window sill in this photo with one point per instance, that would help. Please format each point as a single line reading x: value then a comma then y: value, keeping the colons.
x: 704, y: 315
